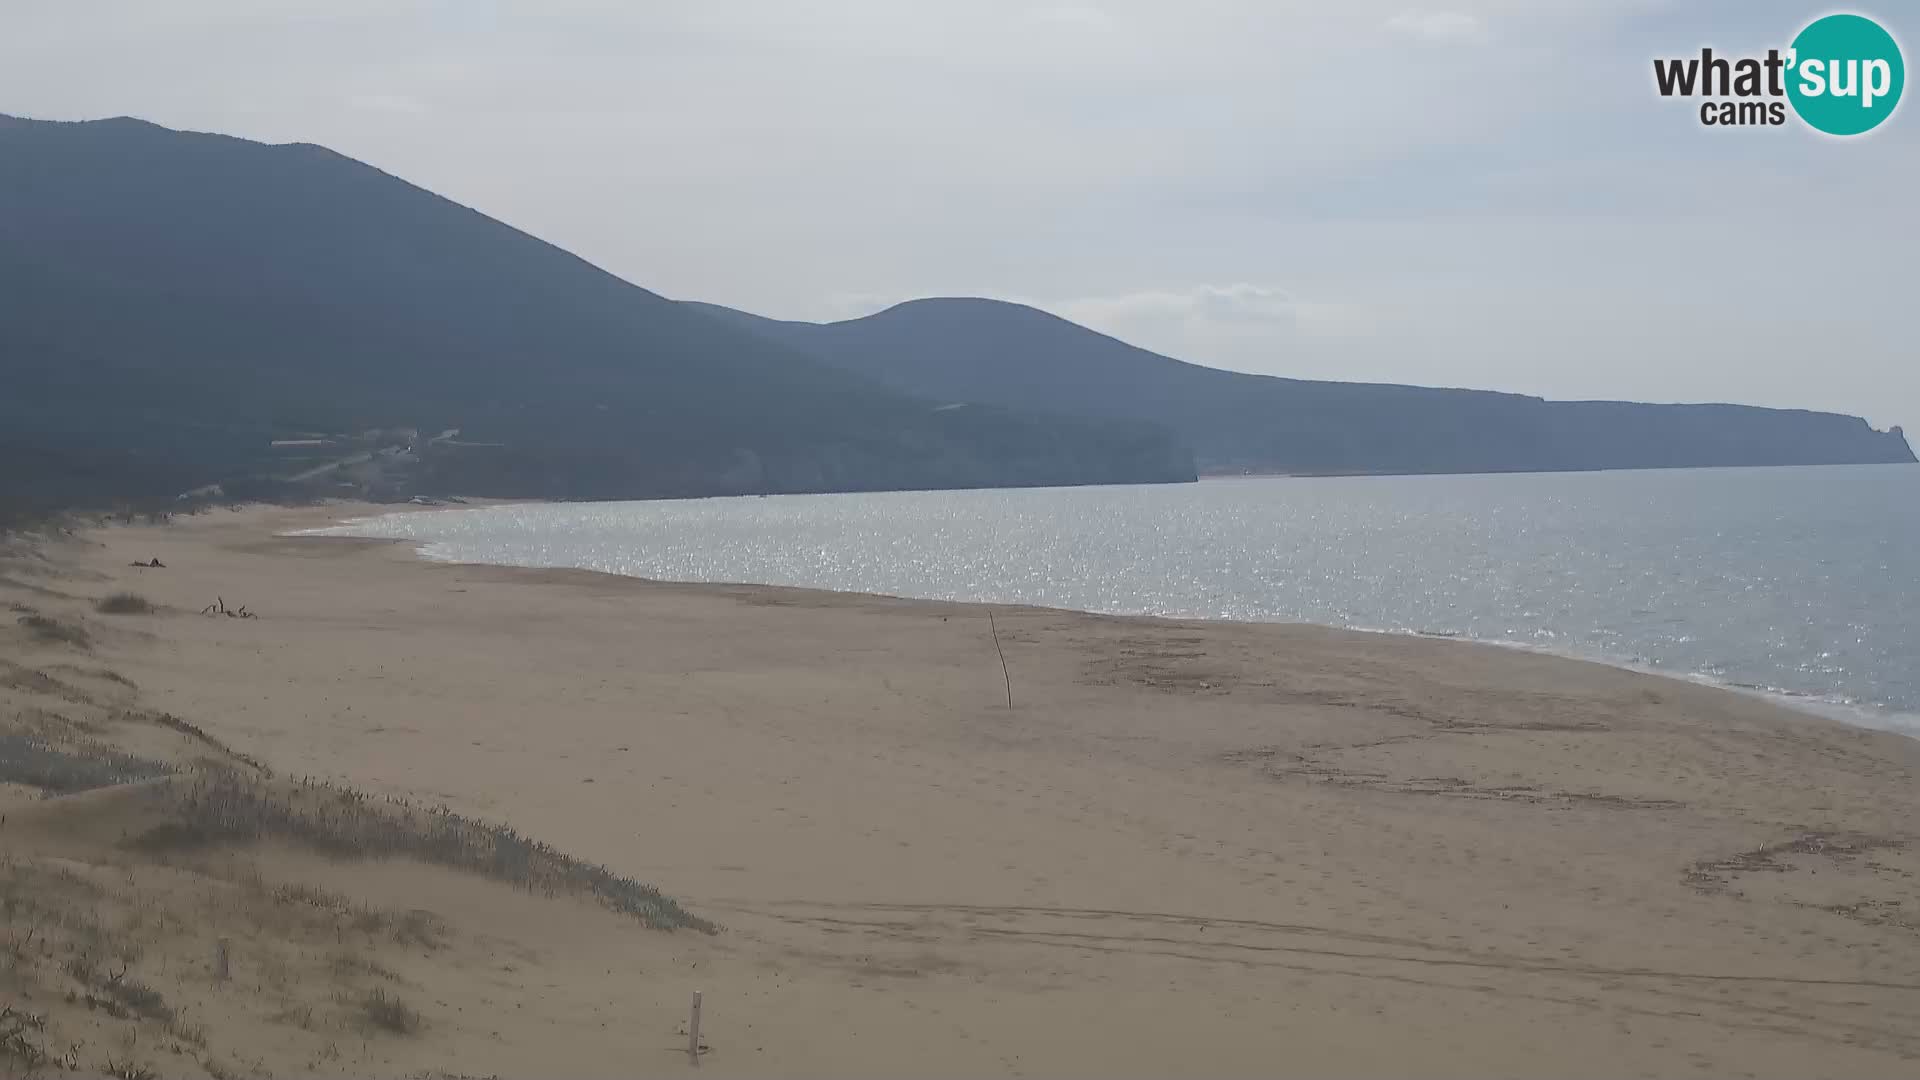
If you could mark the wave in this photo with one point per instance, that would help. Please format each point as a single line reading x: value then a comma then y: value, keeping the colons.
x: 1830, y: 707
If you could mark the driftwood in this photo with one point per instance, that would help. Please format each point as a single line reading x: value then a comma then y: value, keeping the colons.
x: 145, y: 565
x: 219, y: 607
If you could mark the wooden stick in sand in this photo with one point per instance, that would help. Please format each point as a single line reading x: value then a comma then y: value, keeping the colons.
x: 1003, y: 659
x: 693, y: 1032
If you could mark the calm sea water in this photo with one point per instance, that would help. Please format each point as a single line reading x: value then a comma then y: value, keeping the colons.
x: 1796, y: 582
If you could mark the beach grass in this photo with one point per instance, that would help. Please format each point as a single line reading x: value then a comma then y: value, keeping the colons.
x: 225, y: 808
x: 57, y: 770
x: 52, y: 631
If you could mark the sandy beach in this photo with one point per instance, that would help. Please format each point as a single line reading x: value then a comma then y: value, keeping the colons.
x: 1187, y: 848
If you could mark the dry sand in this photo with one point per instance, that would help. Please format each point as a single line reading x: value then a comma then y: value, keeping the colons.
x: 1189, y: 848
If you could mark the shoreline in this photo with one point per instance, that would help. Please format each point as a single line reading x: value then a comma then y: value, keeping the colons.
x: 1872, y: 717
x: 1191, y: 846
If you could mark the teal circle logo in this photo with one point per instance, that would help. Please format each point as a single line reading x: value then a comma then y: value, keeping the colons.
x: 1845, y: 74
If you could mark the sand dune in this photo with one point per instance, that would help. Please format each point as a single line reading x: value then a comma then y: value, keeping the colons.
x: 1188, y: 848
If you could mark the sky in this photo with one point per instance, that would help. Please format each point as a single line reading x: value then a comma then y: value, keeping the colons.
x: 1480, y: 193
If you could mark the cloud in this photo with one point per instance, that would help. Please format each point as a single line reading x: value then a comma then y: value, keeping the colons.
x: 395, y: 104
x: 1080, y: 17
x: 1247, y: 325
x: 1242, y: 305
x: 1438, y: 25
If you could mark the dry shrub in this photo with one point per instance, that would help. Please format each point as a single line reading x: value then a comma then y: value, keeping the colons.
x: 124, y: 603
x: 388, y: 1013
x: 138, y: 998
x: 22, y: 1039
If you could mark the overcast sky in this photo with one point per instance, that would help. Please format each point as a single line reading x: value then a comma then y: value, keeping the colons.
x: 1480, y: 193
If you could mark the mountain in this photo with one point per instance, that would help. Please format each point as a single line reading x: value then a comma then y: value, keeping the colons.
x: 172, y: 303
x: 993, y: 352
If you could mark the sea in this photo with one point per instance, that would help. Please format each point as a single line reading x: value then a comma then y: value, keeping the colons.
x: 1798, y: 583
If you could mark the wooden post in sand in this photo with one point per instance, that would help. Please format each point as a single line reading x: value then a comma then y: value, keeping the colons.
x: 221, y: 969
x: 693, y: 1032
